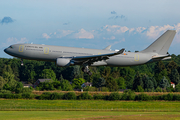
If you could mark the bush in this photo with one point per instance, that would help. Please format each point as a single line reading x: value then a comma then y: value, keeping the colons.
x: 70, y: 96
x: 85, y: 96
x: 8, y: 96
x: 45, y: 96
x: 128, y: 95
x: 124, y: 96
x: 114, y: 96
x: 143, y: 97
x: 27, y: 95
x: 98, y: 97
x: 176, y: 97
x: 56, y: 96
x: 168, y: 97
x: 17, y: 96
x: 5, y: 91
x: 87, y: 88
x: 27, y: 90
x: 139, y: 89
x: 155, y: 97
x: 104, y: 89
x: 158, y: 89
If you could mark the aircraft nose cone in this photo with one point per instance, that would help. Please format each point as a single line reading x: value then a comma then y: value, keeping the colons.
x: 5, y: 50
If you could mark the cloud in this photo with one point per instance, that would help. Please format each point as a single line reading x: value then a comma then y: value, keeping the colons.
x: 63, y: 33
x: 7, y: 20
x: 45, y: 35
x: 13, y: 40
x: 66, y: 23
x: 111, y: 38
x: 83, y: 34
x: 116, y: 29
x: 113, y: 12
x: 154, y: 31
x: 121, y: 17
x: 140, y: 29
x: 119, y: 41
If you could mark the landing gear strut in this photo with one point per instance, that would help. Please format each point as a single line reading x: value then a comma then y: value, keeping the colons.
x: 86, y: 70
x: 22, y: 62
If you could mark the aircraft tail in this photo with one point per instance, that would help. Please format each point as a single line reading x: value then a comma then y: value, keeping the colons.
x: 162, y: 44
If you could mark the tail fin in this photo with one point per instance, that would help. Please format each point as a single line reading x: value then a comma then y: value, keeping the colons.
x: 162, y: 44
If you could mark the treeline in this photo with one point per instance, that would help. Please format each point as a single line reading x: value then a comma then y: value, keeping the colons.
x: 127, y: 95
x: 149, y: 77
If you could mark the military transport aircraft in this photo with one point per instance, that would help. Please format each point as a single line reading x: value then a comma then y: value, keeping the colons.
x: 68, y: 56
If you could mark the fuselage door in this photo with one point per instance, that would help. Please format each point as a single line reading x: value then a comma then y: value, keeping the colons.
x: 46, y: 50
x: 136, y: 57
x: 21, y: 47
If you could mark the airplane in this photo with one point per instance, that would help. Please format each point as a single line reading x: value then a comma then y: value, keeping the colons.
x: 69, y: 56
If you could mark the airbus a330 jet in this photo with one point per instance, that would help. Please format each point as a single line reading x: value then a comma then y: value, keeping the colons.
x: 69, y: 56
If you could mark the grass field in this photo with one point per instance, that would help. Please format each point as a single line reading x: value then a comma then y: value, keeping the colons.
x: 89, y: 105
x: 87, y: 115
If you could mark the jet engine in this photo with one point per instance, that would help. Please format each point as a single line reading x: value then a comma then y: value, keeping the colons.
x: 63, y: 62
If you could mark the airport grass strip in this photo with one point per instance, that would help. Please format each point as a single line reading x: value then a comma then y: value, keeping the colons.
x: 88, y: 105
x: 87, y: 115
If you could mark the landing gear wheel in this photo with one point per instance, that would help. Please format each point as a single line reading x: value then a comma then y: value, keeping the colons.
x: 89, y: 73
x: 86, y: 70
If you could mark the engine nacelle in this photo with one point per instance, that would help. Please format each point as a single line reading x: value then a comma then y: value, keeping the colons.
x: 63, y: 62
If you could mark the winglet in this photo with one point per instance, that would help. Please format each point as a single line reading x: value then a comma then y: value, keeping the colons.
x: 120, y: 51
x: 107, y: 48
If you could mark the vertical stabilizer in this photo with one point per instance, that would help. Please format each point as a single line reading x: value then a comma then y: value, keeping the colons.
x: 162, y: 44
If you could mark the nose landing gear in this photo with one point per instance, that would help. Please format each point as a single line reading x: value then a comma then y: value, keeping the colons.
x: 22, y: 62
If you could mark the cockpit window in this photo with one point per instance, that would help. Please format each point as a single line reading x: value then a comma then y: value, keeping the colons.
x: 10, y: 47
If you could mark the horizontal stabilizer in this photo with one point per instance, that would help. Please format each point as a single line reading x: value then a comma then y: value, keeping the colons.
x: 161, y: 56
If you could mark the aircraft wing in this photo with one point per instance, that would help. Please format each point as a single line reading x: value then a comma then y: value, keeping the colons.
x: 94, y: 58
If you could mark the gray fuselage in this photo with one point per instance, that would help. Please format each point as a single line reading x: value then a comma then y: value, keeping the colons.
x: 51, y: 53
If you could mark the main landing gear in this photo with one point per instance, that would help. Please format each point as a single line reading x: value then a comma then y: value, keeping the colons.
x: 86, y: 70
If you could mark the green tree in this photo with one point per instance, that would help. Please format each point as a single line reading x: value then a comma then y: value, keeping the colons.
x: 111, y: 84
x: 177, y: 88
x: 171, y: 66
x: 98, y: 81
x: 32, y: 78
x: 106, y: 73
x: 137, y: 81
x: 121, y: 83
x: 164, y: 83
x: 65, y: 85
x: 160, y: 71
x: 148, y: 84
x: 174, y: 77
x: 77, y: 82
x: 9, y: 79
x: 153, y: 81
x: 2, y: 82
x: 19, y: 87
x: 76, y: 73
x: 128, y: 74
x: 48, y: 73
x: 139, y: 89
